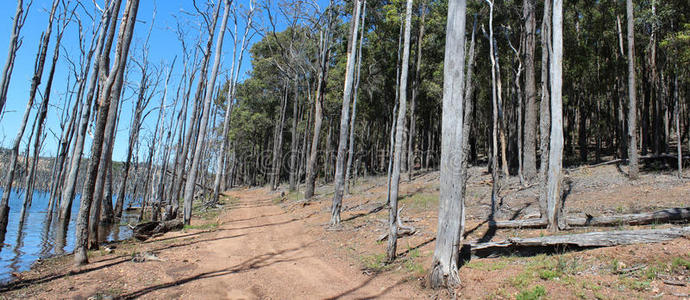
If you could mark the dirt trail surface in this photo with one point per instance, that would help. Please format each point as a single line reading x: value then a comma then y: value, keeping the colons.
x: 259, y: 251
x: 264, y: 252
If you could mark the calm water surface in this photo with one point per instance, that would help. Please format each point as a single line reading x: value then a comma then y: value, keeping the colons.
x: 37, y: 239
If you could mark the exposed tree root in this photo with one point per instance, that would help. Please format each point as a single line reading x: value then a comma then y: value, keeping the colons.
x: 146, y: 230
x: 403, y: 230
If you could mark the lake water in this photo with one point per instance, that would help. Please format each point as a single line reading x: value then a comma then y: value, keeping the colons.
x: 38, y: 239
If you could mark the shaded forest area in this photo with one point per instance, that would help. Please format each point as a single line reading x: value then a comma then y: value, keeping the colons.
x: 349, y: 90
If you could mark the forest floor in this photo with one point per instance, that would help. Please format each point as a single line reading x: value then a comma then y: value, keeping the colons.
x: 270, y: 245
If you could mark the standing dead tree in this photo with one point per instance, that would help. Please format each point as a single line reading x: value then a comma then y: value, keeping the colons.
x: 193, y: 171
x: 634, y: 169
x: 324, y: 65
x: 413, y: 100
x: 192, y: 130
x: 41, y: 115
x: 70, y: 184
x: 444, y: 267
x: 111, y: 84
x: 237, y: 60
x: 351, y: 146
x: 345, y: 119
x: 400, y: 127
x: 554, y: 181
x: 145, y: 93
x: 35, y: 82
x: 14, y: 44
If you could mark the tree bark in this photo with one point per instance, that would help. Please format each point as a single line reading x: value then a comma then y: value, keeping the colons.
x: 201, y: 138
x: 344, y: 120
x: 413, y: 100
x: 529, y: 160
x: 581, y: 240
x: 553, y: 185
x: 35, y: 82
x: 14, y: 44
x: 400, y: 124
x: 445, y: 263
x: 351, y: 146
x: 121, y: 53
x: 634, y: 169
x: 544, y: 105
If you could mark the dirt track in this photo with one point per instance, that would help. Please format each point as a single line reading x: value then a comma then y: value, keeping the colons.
x: 262, y: 252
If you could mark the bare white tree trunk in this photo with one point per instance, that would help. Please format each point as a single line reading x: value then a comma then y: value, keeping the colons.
x: 553, y: 186
x: 400, y: 124
x: 351, y: 147
x: 106, y: 94
x: 413, y: 101
x: 201, y: 138
x: 444, y: 267
x: 14, y: 44
x: 35, y: 82
x: 229, y: 105
x: 344, y: 121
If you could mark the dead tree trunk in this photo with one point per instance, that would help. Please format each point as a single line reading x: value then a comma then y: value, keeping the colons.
x: 35, y: 82
x: 678, y: 135
x: 397, y: 160
x: 192, y: 174
x: 229, y: 107
x: 351, y: 146
x: 14, y: 44
x: 277, y: 161
x: 578, y: 241
x: 495, y: 186
x: 413, y: 100
x: 545, y: 105
x: 108, y: 86
x: 553, y: 185
x: 344, y: 120
x: 529, y: 153
x: 324, y: 55
x: 40, y: 122
x: 444, y: 266
x: 634, y: 170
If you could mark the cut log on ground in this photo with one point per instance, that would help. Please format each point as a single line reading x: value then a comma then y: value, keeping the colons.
x: 661, y: 216
x: 146, y: 230
x: 551, y: 244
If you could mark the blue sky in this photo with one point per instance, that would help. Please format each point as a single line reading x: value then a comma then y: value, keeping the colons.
x: 163, y: 47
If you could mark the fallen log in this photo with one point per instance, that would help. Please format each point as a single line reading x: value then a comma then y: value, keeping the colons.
x: 579, y: 241
x: 144, y: 231
x: 660, y: 216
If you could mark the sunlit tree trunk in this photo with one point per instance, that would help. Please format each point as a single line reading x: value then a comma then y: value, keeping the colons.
x: 106, y: 94
x: 351, y: 146
x: 445, y: 261
x: 397, y: 160
x: 412, y: 135
x: 201, y: 138
x: 553, y: 186
x: 345, y: 120
x: 14, y: 44
x: 14, y: 152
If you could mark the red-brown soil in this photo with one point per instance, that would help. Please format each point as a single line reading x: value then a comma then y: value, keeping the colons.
x: 264, y: 246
